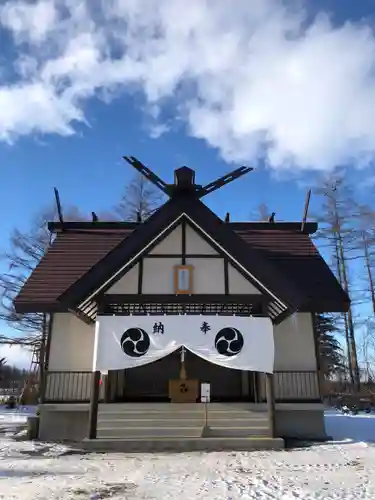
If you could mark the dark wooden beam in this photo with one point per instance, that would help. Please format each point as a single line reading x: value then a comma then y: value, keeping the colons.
x: 323, y: 305
x: 94, y: 404
x: 270, y: 398
x: 140, y: 276
x: 182, y: 299
x: 49, y: 338
x: 38, y: 307
x: 44, y: 354
x: 57, y: 226
x: 317, y: 353
x: 226, y: 276
x: 148, y: 174
x: 309, y: 227
x: 59, y: 209
x: 183, y: 241
x: 306, y: 210
x: 187, y: 256
x: 281, y: 317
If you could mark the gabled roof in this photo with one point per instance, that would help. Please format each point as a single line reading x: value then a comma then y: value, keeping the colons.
x: 81, y: 247
x: 156, y: 227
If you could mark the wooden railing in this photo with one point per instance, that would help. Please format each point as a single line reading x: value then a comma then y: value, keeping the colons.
x: 68, y: 387
x: 289, y: 386
x: 292, y: 386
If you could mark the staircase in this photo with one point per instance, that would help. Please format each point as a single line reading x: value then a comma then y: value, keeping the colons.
x: 181, y: 427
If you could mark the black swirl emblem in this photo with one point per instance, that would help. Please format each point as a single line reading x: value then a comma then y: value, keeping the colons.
x: 135, y: 342
x: 229, y: 341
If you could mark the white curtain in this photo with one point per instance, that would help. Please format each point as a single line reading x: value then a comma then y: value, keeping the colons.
x: 230, y: 341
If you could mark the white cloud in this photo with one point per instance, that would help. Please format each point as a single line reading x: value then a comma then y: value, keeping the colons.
x: 253, y: 80
x: 28, y: 21
x: 16, y: 356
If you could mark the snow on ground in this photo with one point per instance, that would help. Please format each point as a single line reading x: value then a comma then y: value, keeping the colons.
x: 11, y: 420
x: 336, y: 470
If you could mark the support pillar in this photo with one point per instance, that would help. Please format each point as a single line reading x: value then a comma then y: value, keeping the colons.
x: 94, y: 403
x: 106, y: 388
x: 270, y: 396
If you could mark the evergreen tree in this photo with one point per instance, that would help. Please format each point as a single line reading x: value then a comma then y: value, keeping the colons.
x: 330, y: 350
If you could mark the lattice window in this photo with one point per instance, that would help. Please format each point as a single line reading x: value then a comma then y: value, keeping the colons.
x: 176, y: 309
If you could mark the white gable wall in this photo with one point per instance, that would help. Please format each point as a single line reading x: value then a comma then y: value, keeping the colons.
x: 171, y: 244
x: 208, y: 275
x: 195, y: 244
x: 239, y: 284
x: 158, y: 275
x: 128, y: 283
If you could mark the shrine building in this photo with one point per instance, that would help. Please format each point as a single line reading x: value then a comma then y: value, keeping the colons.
x: 183, y: 331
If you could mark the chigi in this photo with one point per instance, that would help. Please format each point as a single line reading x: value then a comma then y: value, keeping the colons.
x: 124, y: 299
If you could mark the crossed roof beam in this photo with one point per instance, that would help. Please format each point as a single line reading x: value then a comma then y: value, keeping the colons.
x: 199, y: 191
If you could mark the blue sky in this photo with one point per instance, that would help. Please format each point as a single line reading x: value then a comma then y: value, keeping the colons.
x: 287, y: 88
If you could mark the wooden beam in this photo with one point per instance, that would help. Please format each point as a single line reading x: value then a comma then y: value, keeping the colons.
x: 270, y: 398
x: 94, y: 404
x: 140, y: 276
x: 226, y: 276
x: 183, y: 299
x: 187, y: 256
x: 43, y: 377
x: 317, y: 354
x: 183, y: 241
x: 59, y: 209
x: 306, y: 210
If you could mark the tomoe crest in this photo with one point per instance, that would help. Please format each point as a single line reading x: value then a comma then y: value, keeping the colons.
x: 135, y: 342
x: 229, y: 341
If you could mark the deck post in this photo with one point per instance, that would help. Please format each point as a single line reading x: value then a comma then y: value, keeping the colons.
x: 94, y: 403
x: 107, y: 388
x: 270, y: 395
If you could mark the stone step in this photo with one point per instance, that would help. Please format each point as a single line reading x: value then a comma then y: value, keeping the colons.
x: 182, y: 432
x: 237, y: 431
x: 171, y: 407
x: 110, y: 422
x: 165, y: 413
x: 149, y: 432
x: 147, y: 445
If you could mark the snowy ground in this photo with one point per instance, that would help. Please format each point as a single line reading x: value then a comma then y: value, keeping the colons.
x: 338, y: 470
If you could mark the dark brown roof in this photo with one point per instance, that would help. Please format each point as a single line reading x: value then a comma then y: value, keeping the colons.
x: 296, y: 255
x: 75, y: 252
x: 70, y: 256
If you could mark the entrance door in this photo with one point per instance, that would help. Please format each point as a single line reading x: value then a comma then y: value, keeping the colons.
x: 226, y: 383
x: 151, y: 382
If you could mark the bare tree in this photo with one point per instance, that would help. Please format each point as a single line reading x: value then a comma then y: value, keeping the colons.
x: 26, y: 248
x: 25, y: 251
x: 264, y: 212
x: 338, y: 210
x: 140, y: 199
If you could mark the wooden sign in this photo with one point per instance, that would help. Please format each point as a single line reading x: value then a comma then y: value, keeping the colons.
x: 183, y: 279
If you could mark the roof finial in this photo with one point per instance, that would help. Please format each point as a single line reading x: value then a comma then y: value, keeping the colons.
x: 271, y: 218
x: 139, y: 216
x: 95, y: 218
x: 58, y: 206
x: 306, y: 210
x: 227, y: 217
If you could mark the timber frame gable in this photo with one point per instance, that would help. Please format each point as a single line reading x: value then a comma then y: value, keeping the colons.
x: 282, y: 298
